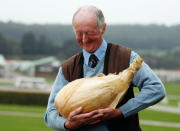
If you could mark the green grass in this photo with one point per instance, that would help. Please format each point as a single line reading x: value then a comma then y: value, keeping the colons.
x: 19, y: 123
x: 21, y: 108
x: 159, y: 116
x: 172, y: 102
x: 22, y: 123
x: 172, y: 88
x: 157, y: 128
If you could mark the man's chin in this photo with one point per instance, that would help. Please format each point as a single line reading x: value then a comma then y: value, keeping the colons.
x: 90, y: 50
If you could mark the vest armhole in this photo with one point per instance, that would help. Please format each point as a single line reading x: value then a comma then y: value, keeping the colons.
x: 119, y: 58
x: 69, y: 67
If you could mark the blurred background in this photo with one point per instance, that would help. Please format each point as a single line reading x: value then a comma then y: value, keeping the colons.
x: 37, y: 36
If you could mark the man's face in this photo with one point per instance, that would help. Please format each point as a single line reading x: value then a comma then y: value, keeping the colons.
x: 87, y: 32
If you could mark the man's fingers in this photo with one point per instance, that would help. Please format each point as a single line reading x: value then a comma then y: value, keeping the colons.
x: 95, y: 119
x: 94, y: 122
x: 86, y: 115
x: 75, y: 112
x: 90, y: 114
x: 98, y: 116
x: 105, y: 110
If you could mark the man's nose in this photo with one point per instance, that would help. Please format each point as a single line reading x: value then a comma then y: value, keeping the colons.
x: 84, y: 38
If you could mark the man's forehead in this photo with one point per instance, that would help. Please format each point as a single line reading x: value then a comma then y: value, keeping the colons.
x: 84, y: 18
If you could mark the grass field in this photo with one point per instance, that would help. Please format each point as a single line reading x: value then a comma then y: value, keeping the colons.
x: 31, y: 123
x: 157, y: 128
x: 159, y: 116
x: 22, y: 123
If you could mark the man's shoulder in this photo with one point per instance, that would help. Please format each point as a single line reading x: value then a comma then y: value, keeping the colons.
x: 71, y: 67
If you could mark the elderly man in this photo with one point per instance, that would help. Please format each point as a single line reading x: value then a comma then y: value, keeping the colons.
x: 98, y: 56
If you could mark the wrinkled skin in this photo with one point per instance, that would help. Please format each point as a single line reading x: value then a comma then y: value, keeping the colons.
x: 76, y: 119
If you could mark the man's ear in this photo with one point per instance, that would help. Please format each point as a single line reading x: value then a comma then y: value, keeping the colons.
x: 104, y: 28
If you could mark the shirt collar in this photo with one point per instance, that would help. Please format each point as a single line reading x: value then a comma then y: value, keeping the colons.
x: 100, y: 52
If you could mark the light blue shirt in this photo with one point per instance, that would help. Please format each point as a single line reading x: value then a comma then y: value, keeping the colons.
x: 100, y: 53
x: 150, y: 86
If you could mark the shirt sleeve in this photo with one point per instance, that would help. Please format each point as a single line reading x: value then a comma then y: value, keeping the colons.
x: 51, y: 116
x: 151, y: 90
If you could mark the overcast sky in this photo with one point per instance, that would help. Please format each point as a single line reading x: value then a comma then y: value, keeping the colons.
x: 115, y: 11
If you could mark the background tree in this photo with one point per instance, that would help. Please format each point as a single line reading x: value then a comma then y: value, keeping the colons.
x: 46, y: 47
x: 28, y: 44
x: 4, y: 49
x: 70, y: 47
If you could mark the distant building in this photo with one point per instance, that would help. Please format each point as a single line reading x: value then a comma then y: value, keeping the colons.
x: 3, y: 67
x: 45, y: 67
x: 31, y: 82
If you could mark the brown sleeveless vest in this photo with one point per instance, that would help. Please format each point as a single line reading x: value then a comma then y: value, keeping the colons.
x: 116, y: 60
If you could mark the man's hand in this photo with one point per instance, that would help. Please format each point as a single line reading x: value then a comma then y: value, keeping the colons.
x: 76, y: 119
x: 108, y: 113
